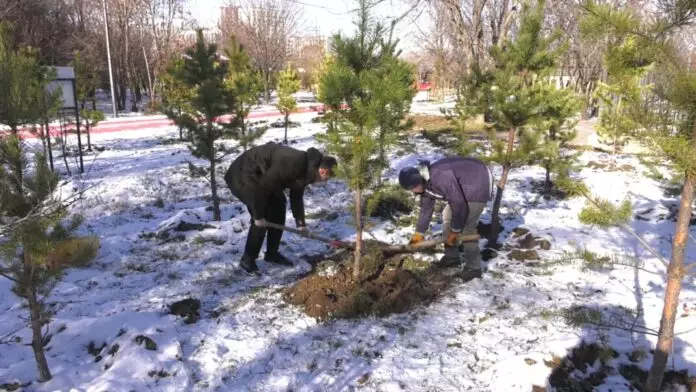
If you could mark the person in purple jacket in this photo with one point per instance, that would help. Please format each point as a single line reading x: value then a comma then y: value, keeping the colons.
x: 466, y: 185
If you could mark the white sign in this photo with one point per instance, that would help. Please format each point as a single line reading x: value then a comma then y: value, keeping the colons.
x: 65, y: 77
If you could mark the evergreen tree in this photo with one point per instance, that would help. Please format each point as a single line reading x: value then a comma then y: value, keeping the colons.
x: 18, y: 73
x: 620, y: 94
x: 245, y: 85
x: 288, y: 84
x: 176, y: 95
x: 35, y: 221
x: 666, y: 119
x: 366, y: 74
x: 90, y: 119
x: 513, y: 94
x: 205, y: 74
x: 556, y: 128
x: 86, y: 79
x: 330, y: 91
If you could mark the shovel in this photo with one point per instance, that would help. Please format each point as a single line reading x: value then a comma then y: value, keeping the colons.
x: 390, y: 250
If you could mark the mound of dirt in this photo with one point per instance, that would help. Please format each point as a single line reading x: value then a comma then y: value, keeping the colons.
x: 385, y: 288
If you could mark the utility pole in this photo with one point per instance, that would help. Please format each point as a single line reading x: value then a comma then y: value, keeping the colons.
x: 108, y: 57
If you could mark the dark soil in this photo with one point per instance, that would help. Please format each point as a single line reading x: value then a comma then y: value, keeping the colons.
x: 386, y: 287
x: 564, y: 376
x: 523, y: 254
x: 389, y: 205
x: 484, y: 229
x: 186, y: 226
x: 637, y: 377
x: 187, y: 308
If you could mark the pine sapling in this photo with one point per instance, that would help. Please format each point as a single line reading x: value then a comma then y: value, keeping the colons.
x: 33, y: 226
x: 90, y: 119
x: 288, y: 84
x: 204, y: 73
x: 176, y: 95
x: 245, y: 86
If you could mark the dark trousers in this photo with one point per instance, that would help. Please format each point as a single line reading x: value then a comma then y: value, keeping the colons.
x: 275, y: 212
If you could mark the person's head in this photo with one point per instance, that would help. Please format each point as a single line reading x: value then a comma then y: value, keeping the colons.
x: 326, y: 168
x: 411, y: 179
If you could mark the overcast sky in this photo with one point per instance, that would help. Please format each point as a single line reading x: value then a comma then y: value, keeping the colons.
x: 328, y: 16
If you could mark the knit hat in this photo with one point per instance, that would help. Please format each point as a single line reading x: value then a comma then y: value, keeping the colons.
x: 410, y: 177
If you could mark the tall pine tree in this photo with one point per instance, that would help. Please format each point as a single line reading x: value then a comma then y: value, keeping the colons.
x: 513, y: 95
x: 205, y: 74
x: 36, y: 226
x: 245, y: 85
x: 288, y: 84
x: 666, y: 115
x: 18, y: 72
x: 176, y: 95
x: 365, y: 74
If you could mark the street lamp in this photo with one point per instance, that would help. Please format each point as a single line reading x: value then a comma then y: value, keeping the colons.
x: 108, y: 57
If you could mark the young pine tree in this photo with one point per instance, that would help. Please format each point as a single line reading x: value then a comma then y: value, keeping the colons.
x: 35, y: 228
x: 90, y: 119
x: 288, y: 84
x: 176, y: 95
x: 666, y: 115
x: 86, y: 79
x: 556, y: 128
x: 18, y: 72
x: 204, y: 74
x: 621, y: 93
x: 513, y: 94
x: 367, y: 75
x: 245, y: 85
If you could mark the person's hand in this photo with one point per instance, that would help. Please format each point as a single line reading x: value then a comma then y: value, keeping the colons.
x: 260, y: 222
x: 416, y: 238
x: 452, y: 239
x: 302, y: 228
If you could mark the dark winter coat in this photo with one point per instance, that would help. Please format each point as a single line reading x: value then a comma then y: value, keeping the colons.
x: 458, y: 181
x: 269, y: 168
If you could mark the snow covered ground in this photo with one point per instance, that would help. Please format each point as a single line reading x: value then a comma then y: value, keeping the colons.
x: 492, y: 334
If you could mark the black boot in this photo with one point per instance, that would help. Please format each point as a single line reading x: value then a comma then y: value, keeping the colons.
x: 451, y: 258
x: 277, y: 258
x: 468, y: 274
x: 248, y: 264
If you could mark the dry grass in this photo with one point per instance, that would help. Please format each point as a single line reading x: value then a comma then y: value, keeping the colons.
x: 433, y: 123
x: 74, y: 252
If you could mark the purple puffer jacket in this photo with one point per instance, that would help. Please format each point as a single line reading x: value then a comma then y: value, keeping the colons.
x: 458, y: 181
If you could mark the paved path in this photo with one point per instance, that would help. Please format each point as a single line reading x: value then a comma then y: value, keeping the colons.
x: 155, y: 121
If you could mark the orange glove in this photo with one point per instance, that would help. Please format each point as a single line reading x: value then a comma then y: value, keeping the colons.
x: 452, y: 239
x: 416, y: 238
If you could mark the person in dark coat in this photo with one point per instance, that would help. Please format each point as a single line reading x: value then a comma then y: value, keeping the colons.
x: 466, y: 185
x: 258, y: 178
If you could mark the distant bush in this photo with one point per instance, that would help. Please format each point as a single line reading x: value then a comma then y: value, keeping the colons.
x: 73, y: 252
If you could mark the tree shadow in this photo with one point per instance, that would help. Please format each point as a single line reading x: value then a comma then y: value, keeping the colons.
x: 615, y: 352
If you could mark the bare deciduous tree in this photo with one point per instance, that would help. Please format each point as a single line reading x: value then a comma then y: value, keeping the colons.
x: 266, y: 29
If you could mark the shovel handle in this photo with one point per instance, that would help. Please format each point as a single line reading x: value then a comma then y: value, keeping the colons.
x: 308, y: 234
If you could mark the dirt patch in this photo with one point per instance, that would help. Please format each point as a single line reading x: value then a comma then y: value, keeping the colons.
x: 485, y: 229
x: 187, y: 308
x: 385, y: 287
x: 523, y: 254
x: 675, y: 379
x: 575, y: 371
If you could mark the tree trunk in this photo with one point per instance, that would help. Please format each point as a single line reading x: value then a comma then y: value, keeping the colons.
x: 358, y: 236
x: 35, y: 312
x: 675, y: 275
x: 43, y: 138
x: 63, y: 140
x: 213, y: 182
x: 267, y: 85
x: 48, y: 141
x: 547, y: 183
x: 287, y: 117
x: 244, y: 142
x: 495, y: 219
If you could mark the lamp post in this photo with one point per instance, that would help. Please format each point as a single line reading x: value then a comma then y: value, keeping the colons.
x: 108, y: 57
